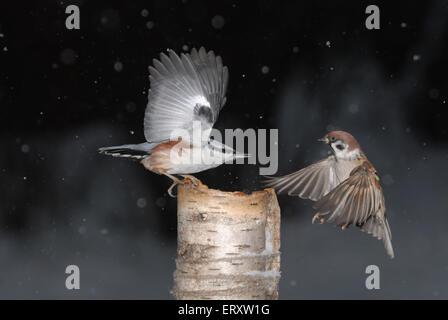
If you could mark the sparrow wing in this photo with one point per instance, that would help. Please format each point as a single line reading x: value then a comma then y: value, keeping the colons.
x: 184, y: 89
x: 359, y: 200
x: 312, y: 182
x: 355, y: 200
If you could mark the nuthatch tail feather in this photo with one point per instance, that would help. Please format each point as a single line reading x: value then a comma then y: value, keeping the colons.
x: 133, y: 151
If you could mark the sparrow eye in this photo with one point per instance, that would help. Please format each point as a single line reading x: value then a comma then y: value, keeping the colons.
x: 332, y: 139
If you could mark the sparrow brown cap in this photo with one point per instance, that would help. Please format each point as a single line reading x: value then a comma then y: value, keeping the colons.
x: 346, y: 137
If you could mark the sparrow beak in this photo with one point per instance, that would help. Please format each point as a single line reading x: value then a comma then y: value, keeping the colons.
x: 324, y: 139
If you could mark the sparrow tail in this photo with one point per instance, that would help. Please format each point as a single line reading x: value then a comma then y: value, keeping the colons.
x: 132, y: 151
x: 388, y: 239
x: 380, y: 229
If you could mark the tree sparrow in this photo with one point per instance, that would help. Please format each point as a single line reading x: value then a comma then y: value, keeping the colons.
x: 345, y: 186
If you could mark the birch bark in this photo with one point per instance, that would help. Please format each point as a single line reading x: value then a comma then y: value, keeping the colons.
x: 228, y: 244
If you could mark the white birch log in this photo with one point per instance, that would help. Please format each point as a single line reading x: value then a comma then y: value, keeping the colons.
x: 228, y: 244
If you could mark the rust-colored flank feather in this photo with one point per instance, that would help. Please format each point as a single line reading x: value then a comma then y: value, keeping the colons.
x: 159, y: 160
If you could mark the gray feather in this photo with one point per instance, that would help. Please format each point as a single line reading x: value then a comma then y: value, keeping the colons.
x: 132, y: 151
x: 182, y: 88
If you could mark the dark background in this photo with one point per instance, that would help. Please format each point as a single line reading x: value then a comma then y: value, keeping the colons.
x: 64, y: 93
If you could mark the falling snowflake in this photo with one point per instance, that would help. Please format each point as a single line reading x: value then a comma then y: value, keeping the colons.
x: 82, y: 229
x: 130, y: 106
x: 265, y: 69
x: 118, y: 66
x: 68, y: 56
x: 141, y: 202
x: 25, y: 148
x: 387, y: 179
x: 353, y: 108
x: 434, y: 93
x: 161, y: 202
x: 149, y: 24
x: 144, y: 13
x: 218, y: 22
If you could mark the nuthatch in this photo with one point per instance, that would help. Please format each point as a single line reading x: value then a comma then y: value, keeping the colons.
x: 185, y: 91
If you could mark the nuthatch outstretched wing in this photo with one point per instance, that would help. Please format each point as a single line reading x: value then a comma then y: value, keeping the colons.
x: 185, y: 91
